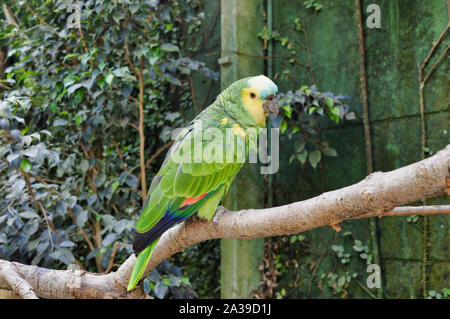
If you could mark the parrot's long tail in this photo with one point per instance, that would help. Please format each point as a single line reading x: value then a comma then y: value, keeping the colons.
x: 140, y: 265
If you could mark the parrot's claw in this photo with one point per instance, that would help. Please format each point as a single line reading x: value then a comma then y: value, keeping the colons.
x: 220, y: 210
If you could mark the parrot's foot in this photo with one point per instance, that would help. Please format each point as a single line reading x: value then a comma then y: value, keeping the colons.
x: 193, y: 219
x: 220, y: 210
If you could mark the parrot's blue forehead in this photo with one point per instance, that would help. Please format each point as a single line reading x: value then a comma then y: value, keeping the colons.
x: 264, y: 85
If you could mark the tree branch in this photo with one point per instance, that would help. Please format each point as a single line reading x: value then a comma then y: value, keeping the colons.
x: 410, y: 211
x: 140, y: 128
x: 377, y: 195
x: 17, y: 284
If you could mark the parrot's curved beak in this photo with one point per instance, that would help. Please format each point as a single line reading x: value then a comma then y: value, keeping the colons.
x: 271, y: 106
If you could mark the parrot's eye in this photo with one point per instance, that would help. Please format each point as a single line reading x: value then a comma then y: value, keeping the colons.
x: 252, y: 95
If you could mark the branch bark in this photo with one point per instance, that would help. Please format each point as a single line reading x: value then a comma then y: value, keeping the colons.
x: 15, y: 282
x: 377, y: 195
x: 140, y: 128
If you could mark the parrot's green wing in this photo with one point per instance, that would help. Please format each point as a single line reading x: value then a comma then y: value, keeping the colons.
x: 185, y: 184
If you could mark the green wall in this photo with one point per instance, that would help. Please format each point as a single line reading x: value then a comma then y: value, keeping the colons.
x: 393, y: 53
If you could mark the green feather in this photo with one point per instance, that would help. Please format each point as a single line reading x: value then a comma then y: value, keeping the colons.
x: 140, y: 265
x: 208, y: 209
x: 149, y: 220
x: 167, y: 181
x: 182, y: 182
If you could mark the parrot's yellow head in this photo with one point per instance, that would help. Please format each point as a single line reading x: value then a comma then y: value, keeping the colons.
x: 258, y: 98
x: 249, y: 101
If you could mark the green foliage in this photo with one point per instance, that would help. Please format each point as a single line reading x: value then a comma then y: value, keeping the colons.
x: 201, y: 263
x: 412, y: 219
x: 168, y: 278
x: 305, y: 269
x: 68, y: 113
x: 312, y: 4
x: 302, y: 111
x: 443, y: 294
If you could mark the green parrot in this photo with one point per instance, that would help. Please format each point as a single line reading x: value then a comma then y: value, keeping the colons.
x: 198, y: 170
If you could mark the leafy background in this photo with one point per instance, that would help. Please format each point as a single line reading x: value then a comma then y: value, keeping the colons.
x: 70, y: 117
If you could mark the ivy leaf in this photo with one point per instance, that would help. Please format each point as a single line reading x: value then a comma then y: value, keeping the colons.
x: 73, y: 88
x: 302, y: 156
x: 350, y: 116
x: 288, y: 110
x: 81, y: 218
x: 160, y: 290
x: 329, y: 152
x: 84, y: 165
x: 169, y: 47
x: 61, y: 207
x: 114, y: 186
x: 69, y: 80
x: 283, y: 126
x: 329, y: 102
x: 59, y: 122
x: 299, y: 145
x: 314, y: 158
x: 29, y: 215
x: 79, y: 119
x: 335, y: 110
x: 92, y: 199
x: 121, y: 72
x: 25, y: 165
x: 109, y: 239
x: 109, y: 79
x: 334, y: 113
x: 99, y: 179
x: 172, y: 116
x: 67, y: 243
x: 12, y: 157
x: 132, y: 181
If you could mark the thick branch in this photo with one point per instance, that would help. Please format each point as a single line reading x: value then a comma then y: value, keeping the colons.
x: 376, y: 195
x: 410, y: 211
x: 68, y: 284
x: 17, y: 284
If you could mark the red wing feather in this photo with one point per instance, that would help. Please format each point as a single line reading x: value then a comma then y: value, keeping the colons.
x: 192, y: 200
